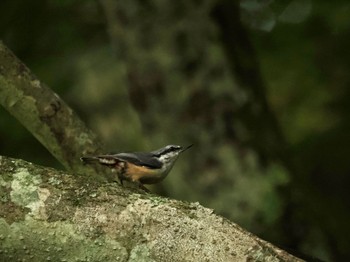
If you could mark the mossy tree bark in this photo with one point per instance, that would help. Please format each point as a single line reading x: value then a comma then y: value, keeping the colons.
x: 56, y: 216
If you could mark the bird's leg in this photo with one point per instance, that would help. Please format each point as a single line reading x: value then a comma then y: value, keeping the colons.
x: 143, y: 187
x: 120, y: 168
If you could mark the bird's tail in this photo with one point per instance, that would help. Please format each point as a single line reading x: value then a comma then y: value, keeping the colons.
x: 89, y: 159
x: 107, y: 160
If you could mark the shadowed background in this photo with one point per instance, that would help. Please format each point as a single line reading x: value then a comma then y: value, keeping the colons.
x: 260, y: 88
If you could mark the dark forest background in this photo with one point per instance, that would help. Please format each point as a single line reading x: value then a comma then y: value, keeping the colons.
x: 260, y: 87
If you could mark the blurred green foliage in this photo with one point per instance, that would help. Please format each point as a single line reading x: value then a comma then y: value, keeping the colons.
x: 143, y: 74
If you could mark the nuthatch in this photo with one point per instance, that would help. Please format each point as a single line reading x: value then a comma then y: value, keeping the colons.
x: 141, y: 167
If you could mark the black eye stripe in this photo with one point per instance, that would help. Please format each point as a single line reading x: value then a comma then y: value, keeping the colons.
x: 168, y: 150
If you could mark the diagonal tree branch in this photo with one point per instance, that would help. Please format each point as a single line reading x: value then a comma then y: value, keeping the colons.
x: 44, y: 113
x: 47, y: 215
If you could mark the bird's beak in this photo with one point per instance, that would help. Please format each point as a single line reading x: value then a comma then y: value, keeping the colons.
x: 185, y: 148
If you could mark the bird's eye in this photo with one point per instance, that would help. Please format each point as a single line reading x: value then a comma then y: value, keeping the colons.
x: 169, y: 149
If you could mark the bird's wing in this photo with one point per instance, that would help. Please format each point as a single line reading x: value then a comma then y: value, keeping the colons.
x: 140, y: 159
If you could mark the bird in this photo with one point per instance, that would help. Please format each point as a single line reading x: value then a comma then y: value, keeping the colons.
x: 140, y: 167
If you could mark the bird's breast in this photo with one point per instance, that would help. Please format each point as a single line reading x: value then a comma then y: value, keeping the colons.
x: 143, y: 174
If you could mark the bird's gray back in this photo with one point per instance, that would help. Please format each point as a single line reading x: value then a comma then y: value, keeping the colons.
x: 140, y: 159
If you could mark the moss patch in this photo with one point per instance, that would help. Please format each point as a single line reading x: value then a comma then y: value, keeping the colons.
x: 59, y: 241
